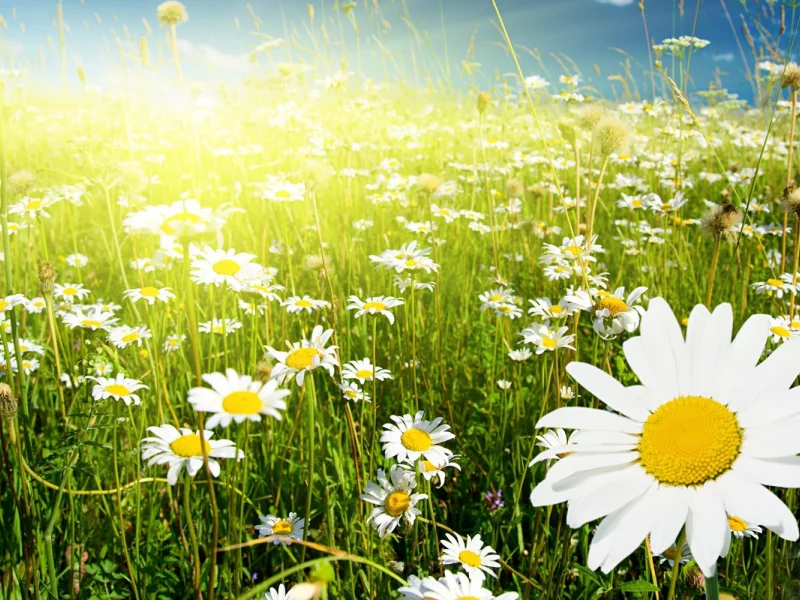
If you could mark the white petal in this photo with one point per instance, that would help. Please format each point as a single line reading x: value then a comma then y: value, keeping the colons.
x: 756, y: 504
x: 659, y: 315
x: 617, y: 491
x: 706, y: 527
x: 710, y: 351
x: 575, y: 417
x: 779, y: 472
x: 771, y: 377
x: 672, y: 508
x: 609, y: 390
x: 745, y: 351
x: 575, y: 463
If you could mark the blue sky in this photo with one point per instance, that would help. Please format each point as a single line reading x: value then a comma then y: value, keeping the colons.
x: 585, y: 30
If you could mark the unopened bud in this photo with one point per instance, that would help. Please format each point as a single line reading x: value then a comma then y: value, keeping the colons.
x: 8, y: 403
x: 47, y: 275
x: 484, y: 102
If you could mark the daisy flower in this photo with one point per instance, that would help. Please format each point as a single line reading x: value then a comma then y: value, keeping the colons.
x: 511, y: 311
x: 278, y: 594
x: 70, y: 292
x: 364, y: 371
x: 173, y: 342
x: 669, y: 555
x: 394, y: 498
x: 77, y: 260
x: 93, y: 320
x: 374, y: 305
x: 351, y: 391
x: 475, y: 558
x: 542, y: 307
x: 290, y: 527
x: 611, y: 313
x: 700, y: 439
x: 546, y: 339
x: 303, y: 357
x: 34, y: 305
x: 215, y: 267
x: 780, y: 329
x: 520, y: 355
x: 149, y: 294
x: 741, y: 528
x: 284, y: 191
x: 774, y: 287
x: 494, y: 298
x: 30, y: 207
x: 124, y: 335
x: 435, y: 470
x: 409, y: 438
x: 295, y: 304
x: 458, y: 586
x: 10, y: 302
x: 219, y: 326
x: 179, y: 447
x: 237, y: 398
x: 119, y: 388
x: 412, y: 591
x: 503, y: 384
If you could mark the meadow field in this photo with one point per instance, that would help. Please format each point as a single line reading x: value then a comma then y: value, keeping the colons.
x: 316, y: 335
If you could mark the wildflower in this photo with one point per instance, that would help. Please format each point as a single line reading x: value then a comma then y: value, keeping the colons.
x: 119, y: 388
x: 503, y: 384
x: 720, y: 221
x: 181, y: 447
x: 434, y: 470
x: 172, y: 12
x: 173, y: 342
x: 611, y: 313
x: 295, y: 304
x: 149, y: 294
x: 219, y: 326
x: 124, y: 335
x: 375, y: 305
x: 277, y: 594
x: 459, y: 587
x: 776, y: 287
x: 409, y: 438
x: 520, y: 355
x: 70, y: 292
x: 215, y: 267
x: 472, y: 555
x: 352, y: 392
x: 77, y: 260
x: 363, y: 370
x: 394, y: 499
x: 546, y: 339
x: 741, y: 528
x: 93, y: 319
x: 671, y: 554
x: 303, y: 357
x: 290, y: 527
x: 493, y: 500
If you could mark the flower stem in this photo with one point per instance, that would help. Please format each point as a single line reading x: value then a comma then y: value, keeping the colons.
x: 712, y: 271
x: 676, y: 565
x: 712, y: 587
x: 770, y: 568
x: 187, y: 509
x: 310, y: 418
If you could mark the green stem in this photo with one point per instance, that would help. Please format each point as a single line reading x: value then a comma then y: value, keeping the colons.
x: 712, y: 587
x: 310, y: 418
x: 187, y: 509
x: 676, y: 565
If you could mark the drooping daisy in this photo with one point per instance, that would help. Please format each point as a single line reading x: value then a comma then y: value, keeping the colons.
x: 296, y: 304
x: 520, y: 355
x: 290, y: 527
x: 363, y: 371
x: 741, y: 528
x: 611, y: 313
x: 278, y: 594
x: 182, y: 447
x: 125, y: 335
x: 546, y: 339
x: 352, y: 392
x: 504, y: 384
x: 94, y: 319
x: 458, y: 586
x: 304, y: 356
x: 475, y: 558
x: 544, y: 308
x: 434, y: 470
x: 237, y: 398
x: 375, y: 305
x: 671, y: 554
x: 149, y: 294
x: 393, y: 498
x: 217, y: 267
x: 219, y: 326
x: 409, y: 438
x: 119, y: 388
x: 70, y: 292
x: 699, y: 440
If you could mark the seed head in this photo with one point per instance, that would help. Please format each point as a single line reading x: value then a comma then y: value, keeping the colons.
x: 589, y: 116
x: 695, y: 579
x: 263, y: 371
x: 172, y: 12
x: 720, y: 221
x: 484, y: 102
x: 47, y: 275
x: 515, y: 188
x: 791, y: 76
x: 428, y: 182
x: 613, y: 136
x: 791, y: 200
x: 8, y: 404
x: 22, y: 181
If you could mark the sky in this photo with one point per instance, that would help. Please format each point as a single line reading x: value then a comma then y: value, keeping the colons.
x: 220, y: 34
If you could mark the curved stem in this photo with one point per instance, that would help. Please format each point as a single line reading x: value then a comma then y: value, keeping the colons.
x: 676, y: 565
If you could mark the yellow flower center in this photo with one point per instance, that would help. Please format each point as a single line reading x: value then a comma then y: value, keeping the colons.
x: 397, y: 503
x: 365, y: 374
x: 637, y: 204
x: 411, y: 263
x: 227, y: 267
x: 495, y: 297
x: 506, y: 308
x: 549, y: 343
x: 429, y: 466
x: 131, y: 337
x: 613, y: 304
x: 91, y: 323
x: 573, y: 250
x: 117, y: 389
x: 181, y: 219
x: 775, y: 283
x: 416, y: 440
x: 467, y: 598
x: 34, y: 205
x: 282, y: 528
x: 737, y: 524
x: 70, y: 291
x: 689, y: 440
x: 304, y: 303
x: 666, y: 207
x: 283, y: 194
x: 556, y: 309
x: 188, y: 446
x: 149, y: 292
x: 780, y: 331
x: 302, y: 358
x: 4, y: 305
x: 469, y: 558
x: 242, y: 403
x: 351, y: 394
x: 374, y: 306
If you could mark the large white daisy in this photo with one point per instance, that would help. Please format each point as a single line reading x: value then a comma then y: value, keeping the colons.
x: 460, y: 587
x: 238, y: 398
x: 290, y: 527
x: 393, y: 498
x: 474, y: 557
x: 119, y: 388
x: 409, y: 438
x: 700, y: 438
x: 304, y: 356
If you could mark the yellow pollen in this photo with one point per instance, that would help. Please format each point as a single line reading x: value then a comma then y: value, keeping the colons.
x: 416, y: 440
x: 118, y: 390
x: 469, y: 558
x: 613, y: 304
x: 397, y: 503
x: 217, y: 329
x: 549, y: 343
x: 131, y: 337
x: 183, y: 218
x: 574, y: 250
x: 282, y: 528
x: 775, y: 283
x: 737, y: 524
x: 242, y: 403
x: 34, y: 205
x: 4, y: 304
x: 351, y: 394
x: 304, y: 303
x: 637, y: 204
x: 666, y: 207
x: 227, y: 267
x: 506, y: 308
x: 365, y: 374
x: 429, y: 466
x: 496, y: 297
x: 795, y: 324
x: 283, y: 194
x: 780, y: 331
x: 624, y: 156
x: 374, y: 305
x: 689, y: 440
x: 188, y: 446
x: 302, y: 358
x: 556, y: 309
x: 149, y: 292
x: 91, y: 323
x: 411, y: 263
x: 70, y: 291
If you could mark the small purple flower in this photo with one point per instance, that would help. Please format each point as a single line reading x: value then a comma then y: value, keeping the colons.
x: 493, y: 500
x: 254, y: 577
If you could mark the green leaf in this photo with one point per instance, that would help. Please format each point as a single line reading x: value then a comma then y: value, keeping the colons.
x: 590, y: 574
x: 640, y: 585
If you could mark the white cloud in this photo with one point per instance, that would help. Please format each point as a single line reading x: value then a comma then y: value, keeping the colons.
x: 616, y: 2
x: 212, y: 57
x: 727, y: 57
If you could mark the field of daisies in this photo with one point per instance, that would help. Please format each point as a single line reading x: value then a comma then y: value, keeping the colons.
x: 315, y: 336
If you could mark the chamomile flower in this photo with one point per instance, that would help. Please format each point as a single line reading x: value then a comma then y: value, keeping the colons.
x: 149, y: 294
x: 546, y: 339
x: 124, y: 335
x: 567, y: 393
x: 351, y: 391
x: 555, y: 445
x: 471, y: 554
x: 93, y: 319
x: 181, y: 448
x: 237, y: 398
x: 363, y: 371
x: 612, y: 314
x: 30, y: 207
x: 278, y: 594
x: 304, y: 356
x: 394, y: 499
x: 119, y: 388
x: 520, y: 355
x: 458, y: 586
x: 374, y: 305
x: 546, y: 310
x: 284, y: 191
x: 295, y: 304
x: 217, y: 267
x: 742, y: 529
x: 496, y: 297
x: 70, y: 292
x: 434, y: 470
x: 219, y: 326
x: 290, y: 527
x: 774, y: 287
x: 705, y: 432
x: 34, y: 305
x: 10, y: 302
x: 409, y: 438
x: 174, y: 342
x: 781, y: 329
x: 510, y: 311
x: 671, y: 554
x: 77, y: 260
x: 503, y: 384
